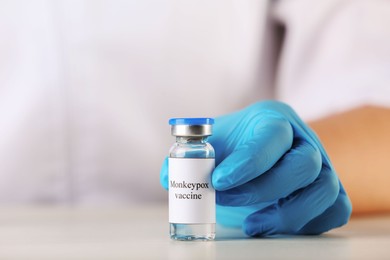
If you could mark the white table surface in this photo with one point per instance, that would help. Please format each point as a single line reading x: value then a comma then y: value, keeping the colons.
x: 141, y: 232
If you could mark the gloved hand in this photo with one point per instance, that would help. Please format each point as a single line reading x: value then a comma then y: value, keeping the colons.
x: 272, y: 174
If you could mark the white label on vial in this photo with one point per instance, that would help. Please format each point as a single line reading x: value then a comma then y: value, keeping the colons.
x: 191, y: 195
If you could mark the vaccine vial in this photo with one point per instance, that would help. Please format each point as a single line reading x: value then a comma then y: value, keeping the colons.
x: 191, y: 195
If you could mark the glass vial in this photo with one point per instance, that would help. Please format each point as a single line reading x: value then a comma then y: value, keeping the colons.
x: 191, y: 195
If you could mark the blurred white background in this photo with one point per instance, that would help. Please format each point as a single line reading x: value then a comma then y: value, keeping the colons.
x: 87, y: 88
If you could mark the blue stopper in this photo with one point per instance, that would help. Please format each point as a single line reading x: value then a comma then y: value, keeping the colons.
x: 191, y: 121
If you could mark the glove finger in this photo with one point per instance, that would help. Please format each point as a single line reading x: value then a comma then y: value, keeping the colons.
x: 291, y: 214
x: 235, y: 216
x: 299, y: 167
x: 164, y: 174
x: 272, y: 137
x: 335, y: 216
x: 301, y: 130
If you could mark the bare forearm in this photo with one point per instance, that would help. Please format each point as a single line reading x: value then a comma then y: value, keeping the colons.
x: 358, y: 143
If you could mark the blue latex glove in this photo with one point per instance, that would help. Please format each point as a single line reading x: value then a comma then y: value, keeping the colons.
x: 272, y: 174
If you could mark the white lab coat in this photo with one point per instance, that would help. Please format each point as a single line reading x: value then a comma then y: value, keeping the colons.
x: 87, y: 87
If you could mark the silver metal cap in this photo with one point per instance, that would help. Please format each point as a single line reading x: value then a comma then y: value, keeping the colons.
x: 201, y: 126
x: 191, y: 130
